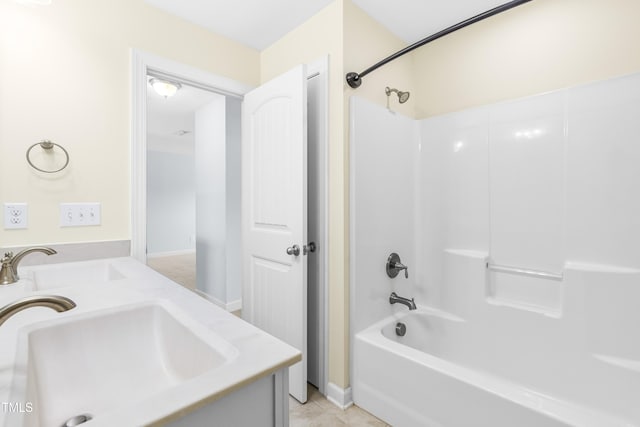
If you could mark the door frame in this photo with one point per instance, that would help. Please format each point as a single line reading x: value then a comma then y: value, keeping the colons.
x: 144, y: 63
x: 319, y: 69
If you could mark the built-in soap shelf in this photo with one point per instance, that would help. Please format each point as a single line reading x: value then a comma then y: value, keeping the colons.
x: 538, y: 291
x: 526, y: 289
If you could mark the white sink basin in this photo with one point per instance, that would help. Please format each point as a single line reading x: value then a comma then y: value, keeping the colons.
x: 71, y: 274
x: 100, y: 361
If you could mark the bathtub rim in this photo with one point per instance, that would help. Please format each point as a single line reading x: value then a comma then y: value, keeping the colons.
x: 560, y: 410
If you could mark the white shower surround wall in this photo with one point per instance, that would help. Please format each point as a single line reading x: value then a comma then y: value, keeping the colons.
x: 547, y: 183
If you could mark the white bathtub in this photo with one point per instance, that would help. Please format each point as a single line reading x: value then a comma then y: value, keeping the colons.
x: 433, y: 376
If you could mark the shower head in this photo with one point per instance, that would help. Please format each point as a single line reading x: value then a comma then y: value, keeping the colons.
x: 402, y: 96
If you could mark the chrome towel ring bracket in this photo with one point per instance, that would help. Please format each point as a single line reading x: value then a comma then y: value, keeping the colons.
x: 48, y: 146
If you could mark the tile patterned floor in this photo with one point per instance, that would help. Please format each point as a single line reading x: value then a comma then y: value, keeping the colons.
x: 319, y: 412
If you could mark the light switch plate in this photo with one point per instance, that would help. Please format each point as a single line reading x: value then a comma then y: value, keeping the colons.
x: 79, y: 214
x: 15, y: 215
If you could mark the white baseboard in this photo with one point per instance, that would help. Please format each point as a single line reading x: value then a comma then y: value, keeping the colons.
x: 340, y: 397
x: 229, y: 306
x: 171, y: 253
x: 234, y: 305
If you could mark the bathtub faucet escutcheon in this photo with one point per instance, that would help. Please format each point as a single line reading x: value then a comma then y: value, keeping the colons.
x: 394, y: 266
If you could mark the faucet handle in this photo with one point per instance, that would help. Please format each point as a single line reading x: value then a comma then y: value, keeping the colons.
x: 7, y: 275
x: 394, y: 265
x: 6, y: 260
x: 400, y: 266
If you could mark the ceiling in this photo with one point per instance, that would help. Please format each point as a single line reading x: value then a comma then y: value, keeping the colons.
x: 255, y: 23
x: 259, y: 23
x: 171, y: 121
x: 413, y: 20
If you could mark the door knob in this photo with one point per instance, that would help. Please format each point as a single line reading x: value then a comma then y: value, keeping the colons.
x: 311, y: 247
x: 293, y: 250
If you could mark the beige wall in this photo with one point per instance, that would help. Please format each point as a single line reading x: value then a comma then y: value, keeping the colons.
x: 541, y: 46
x: 366, y: 42
x: 64, y: 76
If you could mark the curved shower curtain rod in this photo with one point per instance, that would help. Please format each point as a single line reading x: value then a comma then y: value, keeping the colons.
x: 355, y: 79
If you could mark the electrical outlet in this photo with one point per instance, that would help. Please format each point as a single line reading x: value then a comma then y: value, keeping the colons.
x: 15, y: 215
x: 79, y: 214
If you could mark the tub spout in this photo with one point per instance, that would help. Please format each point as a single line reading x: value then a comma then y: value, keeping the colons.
x: 394, y: 298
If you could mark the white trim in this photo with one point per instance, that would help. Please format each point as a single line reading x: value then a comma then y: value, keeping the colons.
x: 159, y: 65
x: 320, y: 68
x: 234, y: 305
x: 171, y: 253
x: 352, y: 233
x: 230, y: 306
x: 143, y: 63
x: 341, y: 397
x: 138, y: 156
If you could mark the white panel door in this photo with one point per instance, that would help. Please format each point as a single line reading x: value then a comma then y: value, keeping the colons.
x: 274, y: 214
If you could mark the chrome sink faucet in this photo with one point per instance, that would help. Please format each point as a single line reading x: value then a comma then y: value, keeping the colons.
x: 394, y: 298
x: 56, y: 302
x: 9, y: 270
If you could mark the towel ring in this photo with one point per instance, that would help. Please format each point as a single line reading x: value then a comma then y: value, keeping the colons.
x: 47, y: 145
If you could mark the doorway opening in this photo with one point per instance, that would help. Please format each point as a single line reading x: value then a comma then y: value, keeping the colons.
x: 171, y: 180
x: 231, y: 93
x: 193, y: 185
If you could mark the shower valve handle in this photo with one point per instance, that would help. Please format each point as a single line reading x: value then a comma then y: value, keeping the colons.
x: 394, y: 266
x: 399, y: 266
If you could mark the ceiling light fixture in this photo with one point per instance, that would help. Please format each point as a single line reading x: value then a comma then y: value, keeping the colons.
x: 164, y: 87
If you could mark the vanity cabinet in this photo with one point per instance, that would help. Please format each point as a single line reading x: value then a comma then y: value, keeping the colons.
x: 262, y: 403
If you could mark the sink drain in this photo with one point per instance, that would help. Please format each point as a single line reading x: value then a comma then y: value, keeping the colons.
x: 77, y: 420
